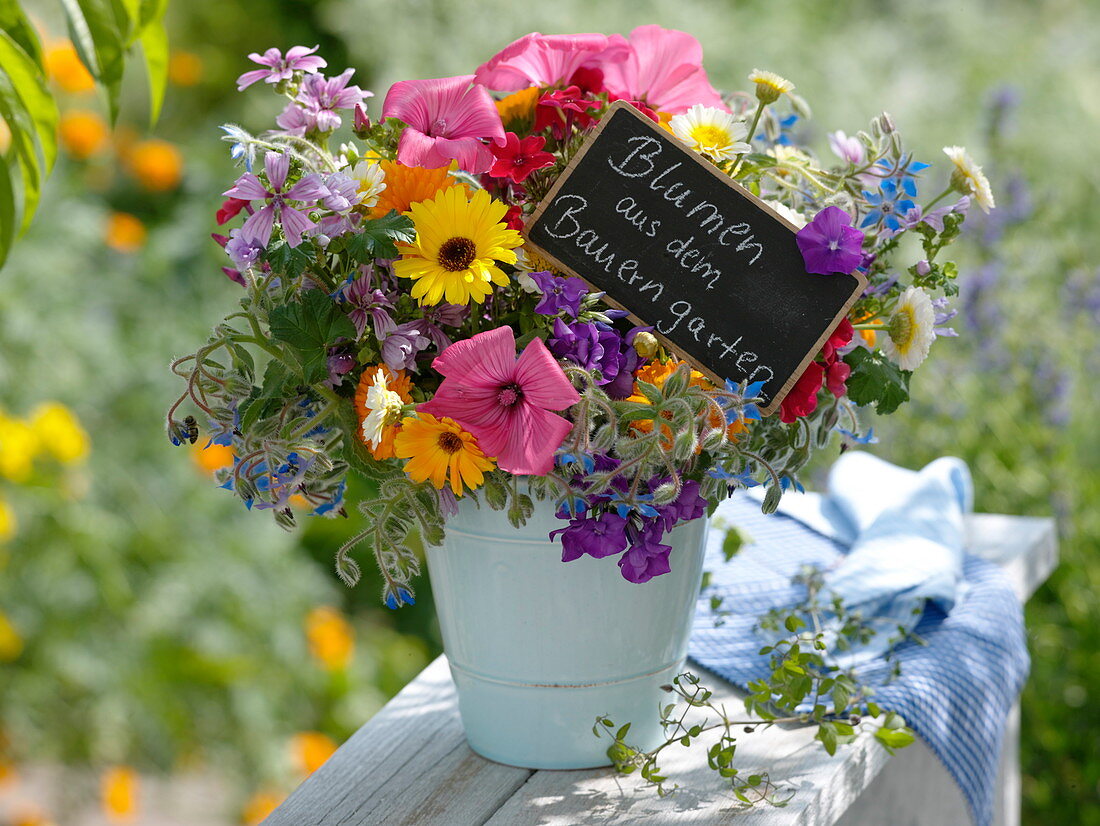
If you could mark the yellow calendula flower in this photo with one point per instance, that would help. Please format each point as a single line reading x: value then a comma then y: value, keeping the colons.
x: 968, y: 177
x: 18, y: 448
x: 330, y: 636
x: 458, y: 245
x: 519, y: 106
x: 769, y: 85
x: 118, y: 794
x: 435, y: 447
x: 310, y: 749
x: 59, y: 432
x: 8, y: 523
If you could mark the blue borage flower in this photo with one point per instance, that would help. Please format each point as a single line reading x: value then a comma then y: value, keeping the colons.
x: 867, y: 438
x: 394, y: 596
x: 637, y: 504
x: 242, y: 144
x: 742, y: 479
x: 586, y: 461
x: 887, y: 205
x: 786, y: 482
x: 905, y: 172
x: 746, y: 410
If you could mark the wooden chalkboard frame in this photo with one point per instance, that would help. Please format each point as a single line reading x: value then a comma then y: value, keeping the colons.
x: 622, y: 106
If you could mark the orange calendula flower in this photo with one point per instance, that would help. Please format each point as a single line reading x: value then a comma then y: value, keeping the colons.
x: 330, y: 636
x: 125, y: 233
x: 118, y: 791
x: 408, y: 185
x: 157, y: 164
x: 83, y: 133
x: 435, y: 447
x: 518, y: 106
x: 259, y: 806
x: 184, y: 68
x: 378, y: 401
x: 65, y: 69
x: 310, y: 750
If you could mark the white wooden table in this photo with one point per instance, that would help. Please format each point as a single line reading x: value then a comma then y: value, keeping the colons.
x: 410, y: 764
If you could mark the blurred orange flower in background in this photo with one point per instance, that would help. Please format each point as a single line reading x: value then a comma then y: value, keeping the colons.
x: 259, y: 806
x: 184, y: 68
x: 310, y: 749
x: 212, y: 458
x: 125, y: 233
x: 157, y: 164
x: 118, y: 794
x: 65, y: 69
x: 331, y: 638
x: 83, y: 133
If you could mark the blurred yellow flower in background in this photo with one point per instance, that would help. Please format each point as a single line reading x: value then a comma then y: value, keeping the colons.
x: 8, y: 523
x: 59, y: 432
x: 212, y: 458
x: 310, y: 749
x: 184, y: 68
x: 18, y: 447
x: 124, y: 233
x: 11, y: 643
x: 83, y: 133
x: 331, y: 638
x: 259, y: 806
x: 65, y: 69
x: 157, y: 164
x: 118, y: 794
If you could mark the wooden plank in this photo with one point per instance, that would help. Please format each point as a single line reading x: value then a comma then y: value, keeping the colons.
x: 410, y: 764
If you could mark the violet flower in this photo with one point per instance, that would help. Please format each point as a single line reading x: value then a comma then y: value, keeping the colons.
x: 600, y: 537
x: 298, y: 59
x: 559, y: 293
x: 847, y: 148
x: 587, y: 345
x: 366, y: 303
x: 944, y: 314
x: 647, y: 557
x: 295, y: 223
x: 438, y: 317
x: 829, y: 243
x: 400, y: 343
x: 343, y: 192
x: 340, y: 362
x: 314, y: 109
x: 687, y: 506
x: 243, y: 251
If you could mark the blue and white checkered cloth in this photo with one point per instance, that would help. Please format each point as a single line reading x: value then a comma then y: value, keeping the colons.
x: 956, y: 691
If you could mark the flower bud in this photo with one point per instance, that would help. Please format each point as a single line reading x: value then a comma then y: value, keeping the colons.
x: 646, y: 344
x: 887, y: 123
x: 769, y: 86
x: 923, y: 267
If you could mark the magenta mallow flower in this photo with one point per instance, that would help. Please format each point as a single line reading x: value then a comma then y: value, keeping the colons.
x: 314, y: 109
x: 298, y: 59
x: 295, y: 223
x: 664, y: 69
x: 447, y: 119
x: 547, y: 60
x: 830, y: 244
x: 504, y: 401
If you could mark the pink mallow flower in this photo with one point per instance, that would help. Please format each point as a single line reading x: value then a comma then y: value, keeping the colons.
x: 298, y: 59
x: 504, y: 401
x: 448, y: 119
x: 547, y: 60
x: 664, y: 69
x: 295, y: 223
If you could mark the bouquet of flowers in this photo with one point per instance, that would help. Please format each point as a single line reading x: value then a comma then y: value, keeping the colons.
x: 392, y: 323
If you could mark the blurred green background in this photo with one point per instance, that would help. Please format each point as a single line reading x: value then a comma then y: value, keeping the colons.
x: 153, y: 634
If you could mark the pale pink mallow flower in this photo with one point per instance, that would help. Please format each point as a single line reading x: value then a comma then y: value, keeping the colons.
x: 503, y: 401
x: 663, y: 69
x: 547, y: 59
x: 448, y: 119
x: 295, y: 221
x: 298, y: 59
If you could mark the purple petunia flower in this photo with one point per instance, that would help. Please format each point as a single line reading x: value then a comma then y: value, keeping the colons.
x: 647, y: 557
x: 298, y: 59
x: 559, y: 293
x: 687, y: 506
x: 829, y: 243
x: 295, y: 223
x: 400, y: 343
x: 243, y: 251
x: 314, y: 110
x: 600, y: 537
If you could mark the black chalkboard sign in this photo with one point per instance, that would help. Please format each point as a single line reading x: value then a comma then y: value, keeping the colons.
x: 680, y: 246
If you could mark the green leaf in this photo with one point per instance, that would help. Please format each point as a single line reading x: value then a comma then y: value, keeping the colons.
x: 100, y: 35
x: 287, y: 260
x: 734, y: 540
x: 827, y: 735
x: 7, y: 211
x: 378, y: 237
x: 309, y: 326
x: 154, y: 47
x: 876, y: 380
x: 14, y: 23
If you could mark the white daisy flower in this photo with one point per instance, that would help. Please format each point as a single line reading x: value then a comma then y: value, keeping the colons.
x: 968, y: 177
x: 711, y: 131
x: 910, y: 330
x: 372, y: 181
x: 795, y: 217
x: 385, y: 408
x: 769, y: 85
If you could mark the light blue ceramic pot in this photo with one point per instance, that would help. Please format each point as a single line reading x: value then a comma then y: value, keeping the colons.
x: 538, y: 648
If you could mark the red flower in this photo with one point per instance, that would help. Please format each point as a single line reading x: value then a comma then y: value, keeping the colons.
x: 513, y: 218
x: 517, y: 159
x: 836, y: 374
x: 841, y: 336
x: 230, y: 208
x: 589, y: 79
x: 641, y: 107
x: 831, y: 371
x: 563, y: 109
